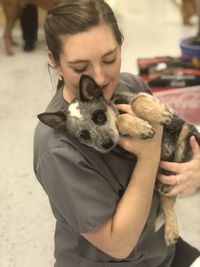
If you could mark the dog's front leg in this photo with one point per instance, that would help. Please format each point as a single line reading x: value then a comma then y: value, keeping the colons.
x: 171, y: 227
x: 134, y: 126
x: 151, y: 109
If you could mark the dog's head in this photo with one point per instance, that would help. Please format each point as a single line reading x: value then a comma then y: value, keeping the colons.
x: 89, y: 118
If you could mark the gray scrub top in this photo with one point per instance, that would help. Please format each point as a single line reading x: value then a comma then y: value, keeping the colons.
x: 84, y: 187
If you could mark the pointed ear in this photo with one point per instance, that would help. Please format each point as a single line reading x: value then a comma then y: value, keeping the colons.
x: 89, y: 89
x: 55, y: 120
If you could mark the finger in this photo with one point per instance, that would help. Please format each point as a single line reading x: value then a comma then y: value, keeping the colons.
x: 129, y: 144
x: 178, y: 189
x: 169, y: 180
x: 125, y: 108
x: 124, y: 142
x: 170, y: 166
x: 174, y: 192
x: 194, y: 145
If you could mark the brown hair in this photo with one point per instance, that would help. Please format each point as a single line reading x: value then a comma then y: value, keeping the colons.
x: 74, y: 16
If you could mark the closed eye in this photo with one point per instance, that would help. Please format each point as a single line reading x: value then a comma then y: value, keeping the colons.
x: 109, y: 61
x: 80, y: 70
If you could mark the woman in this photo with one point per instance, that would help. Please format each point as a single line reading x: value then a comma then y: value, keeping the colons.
x: 104, y: 204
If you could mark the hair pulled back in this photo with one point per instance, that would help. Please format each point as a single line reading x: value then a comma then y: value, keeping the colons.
x: 74, y: 16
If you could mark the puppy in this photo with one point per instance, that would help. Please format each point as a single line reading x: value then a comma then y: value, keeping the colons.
x: 12, y: 10
x: 95, y: 122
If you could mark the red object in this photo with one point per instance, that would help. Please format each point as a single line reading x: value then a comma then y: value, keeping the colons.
x: 176, y: 82
x: 147, y: 66
x: 186, y: 101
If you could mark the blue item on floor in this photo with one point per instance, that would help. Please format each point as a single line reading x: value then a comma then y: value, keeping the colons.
x: 189, y: 50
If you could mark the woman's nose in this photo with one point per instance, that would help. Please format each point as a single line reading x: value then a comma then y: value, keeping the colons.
x: 99, y: 77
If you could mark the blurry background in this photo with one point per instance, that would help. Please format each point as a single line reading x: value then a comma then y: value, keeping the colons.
x: 151, y: 28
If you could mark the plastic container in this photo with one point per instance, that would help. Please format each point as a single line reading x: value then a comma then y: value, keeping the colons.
x: 188, y: 50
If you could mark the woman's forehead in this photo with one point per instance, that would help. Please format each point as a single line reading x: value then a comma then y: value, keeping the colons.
x: 98, y: 40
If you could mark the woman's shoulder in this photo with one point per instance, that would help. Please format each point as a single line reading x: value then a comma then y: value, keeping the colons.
x: 132, y: 83
x: 45, y: 137
x: 50, y: 141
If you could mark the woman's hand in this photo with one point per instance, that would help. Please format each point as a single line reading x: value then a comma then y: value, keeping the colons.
x: 187, y: 175
x: 147, y: 148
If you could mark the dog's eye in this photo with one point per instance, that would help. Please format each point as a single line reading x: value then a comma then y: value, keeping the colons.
x: 99, y: 117
x: 85, y: 135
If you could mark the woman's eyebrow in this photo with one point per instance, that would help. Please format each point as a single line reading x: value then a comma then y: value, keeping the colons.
x: 86, y: 61
x: 78, y: 61
x: 110, y: 52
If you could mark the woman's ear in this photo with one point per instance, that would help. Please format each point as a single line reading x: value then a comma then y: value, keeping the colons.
x: 55, y: 63
x: 52, y: 60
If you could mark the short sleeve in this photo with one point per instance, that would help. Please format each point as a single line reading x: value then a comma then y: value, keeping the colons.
x: 82, y: 196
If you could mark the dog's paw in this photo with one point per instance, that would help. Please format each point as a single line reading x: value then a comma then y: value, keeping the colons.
x: 151, y: 109
x: 147, y: 132
x: 171, y: 235
x: 9, y: 52
x: 135, y: 127
x: 166, y: 116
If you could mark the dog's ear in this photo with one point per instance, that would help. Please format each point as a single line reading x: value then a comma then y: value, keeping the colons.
x: 89, y: 89
x: 55, y: 120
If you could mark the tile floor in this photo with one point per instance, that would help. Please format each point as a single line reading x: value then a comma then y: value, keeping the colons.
x: 151, y: 28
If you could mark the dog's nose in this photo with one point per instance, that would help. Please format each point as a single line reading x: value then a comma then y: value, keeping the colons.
x: 108, y: 144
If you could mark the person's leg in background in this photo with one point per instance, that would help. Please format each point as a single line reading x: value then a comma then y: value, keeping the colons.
x: 186, y: 255
x: 29, y: 25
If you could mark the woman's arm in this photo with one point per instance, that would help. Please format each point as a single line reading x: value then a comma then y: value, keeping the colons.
x: 120, y: 234
x: 188, y: 172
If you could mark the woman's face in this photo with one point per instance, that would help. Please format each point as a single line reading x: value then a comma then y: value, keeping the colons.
x: 95, y: 53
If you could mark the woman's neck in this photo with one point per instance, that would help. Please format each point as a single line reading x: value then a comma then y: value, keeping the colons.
x: 66, y: 95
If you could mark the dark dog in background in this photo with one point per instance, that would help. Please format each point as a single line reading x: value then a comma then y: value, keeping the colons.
x: 12, y: 10
x: 93, y: 121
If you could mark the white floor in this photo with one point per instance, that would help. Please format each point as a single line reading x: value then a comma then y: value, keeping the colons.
x: 151, y: 28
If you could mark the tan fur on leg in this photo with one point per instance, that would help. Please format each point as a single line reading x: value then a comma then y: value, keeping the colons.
x: 151, y: 109
x: 134, y: 126
x: 171, y: 227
